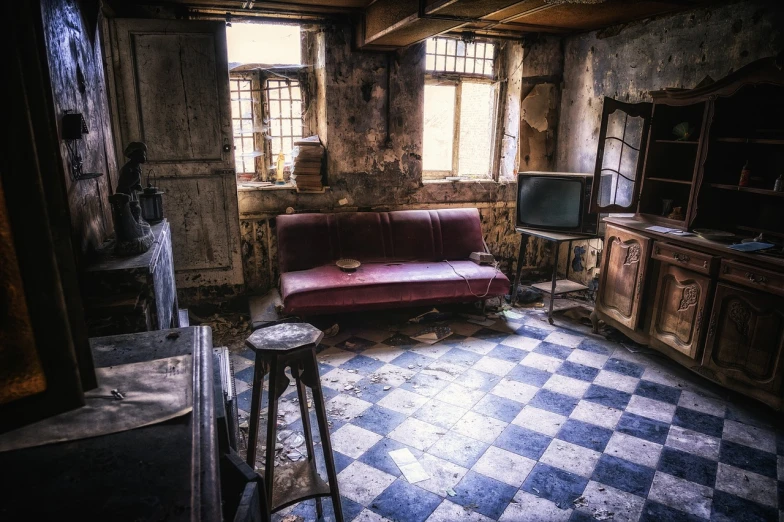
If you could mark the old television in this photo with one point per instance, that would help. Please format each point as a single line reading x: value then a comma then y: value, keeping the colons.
x: 555, y: 201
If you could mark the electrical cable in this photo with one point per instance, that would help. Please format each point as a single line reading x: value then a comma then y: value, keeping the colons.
x: 495, y: 266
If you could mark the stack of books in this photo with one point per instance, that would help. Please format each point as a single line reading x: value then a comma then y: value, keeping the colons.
x: 308, y: 154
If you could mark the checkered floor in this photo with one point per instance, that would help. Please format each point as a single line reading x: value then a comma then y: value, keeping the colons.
x: 522, y: 421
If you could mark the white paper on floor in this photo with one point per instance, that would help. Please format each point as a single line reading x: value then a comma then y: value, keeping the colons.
x: 409, y: 465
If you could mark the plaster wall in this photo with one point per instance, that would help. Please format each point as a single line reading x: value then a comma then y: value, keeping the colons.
x: 372, y: 122
x: 76, y: 72
x: 627, y: 61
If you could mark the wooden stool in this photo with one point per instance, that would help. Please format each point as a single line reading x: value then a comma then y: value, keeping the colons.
x: 278, y: 347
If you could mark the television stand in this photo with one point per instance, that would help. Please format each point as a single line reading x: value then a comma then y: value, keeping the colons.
x: 556, y: 286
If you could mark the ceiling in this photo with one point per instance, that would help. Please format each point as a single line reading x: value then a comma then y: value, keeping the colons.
x: 390, y: 24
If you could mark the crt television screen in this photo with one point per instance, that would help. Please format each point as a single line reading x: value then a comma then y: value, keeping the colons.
x: 549, y: 202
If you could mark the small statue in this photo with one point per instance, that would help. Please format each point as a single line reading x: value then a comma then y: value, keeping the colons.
x: 132, y: 234
x: 131, y: 173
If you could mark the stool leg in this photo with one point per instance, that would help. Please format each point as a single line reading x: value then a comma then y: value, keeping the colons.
x: 272, y: 428
x: 255, y: 409
x: 312, y: 375
x: 303, y: 408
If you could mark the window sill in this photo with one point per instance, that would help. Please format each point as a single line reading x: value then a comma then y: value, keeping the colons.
x: 245, y: 186
x: 480, y: 181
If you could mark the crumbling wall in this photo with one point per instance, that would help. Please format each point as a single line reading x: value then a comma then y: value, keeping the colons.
x: 627, y: 61
x: 77, y: 76
x: 541, y: 96
x: 374, y: 122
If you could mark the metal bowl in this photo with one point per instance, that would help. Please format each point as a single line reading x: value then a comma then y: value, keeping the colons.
x: 347, y: 265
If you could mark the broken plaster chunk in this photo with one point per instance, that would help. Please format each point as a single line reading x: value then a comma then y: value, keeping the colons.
x: 537, y: 104
x: 343, y: 202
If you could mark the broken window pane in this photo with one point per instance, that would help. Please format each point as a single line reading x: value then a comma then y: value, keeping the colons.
x: 439, y: 127
x: 477, y: 113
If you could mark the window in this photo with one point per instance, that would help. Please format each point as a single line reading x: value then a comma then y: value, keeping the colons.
x: 460, y: 109
x: 266, y: 99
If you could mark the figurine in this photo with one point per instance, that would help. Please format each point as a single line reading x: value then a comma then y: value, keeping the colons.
x: 677, y: 213
x: 131, y: 173
x: 132, y: 234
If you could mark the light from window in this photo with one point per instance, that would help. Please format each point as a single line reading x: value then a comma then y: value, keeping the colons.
x: 268, y: 44
x: 460, y: 109
x: 242, y: 119
x: 457, y: 56
x: 439, y: 127
x: 284, y: 100
x: 477, y: 114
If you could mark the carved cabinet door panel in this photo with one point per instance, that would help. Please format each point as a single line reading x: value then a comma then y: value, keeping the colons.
x: 679, y: 309
x: 745, y: 337
x: 623, y: 275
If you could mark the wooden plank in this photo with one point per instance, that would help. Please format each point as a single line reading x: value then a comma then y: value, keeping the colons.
x: 562, y: 286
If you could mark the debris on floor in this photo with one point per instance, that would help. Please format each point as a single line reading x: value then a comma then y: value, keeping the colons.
x: 432, y: 334
x: 332, y: 331
x: 430, y: 317
x: 409, y: 465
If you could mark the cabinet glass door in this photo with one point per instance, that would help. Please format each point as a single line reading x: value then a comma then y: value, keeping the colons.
x: 619, y: 160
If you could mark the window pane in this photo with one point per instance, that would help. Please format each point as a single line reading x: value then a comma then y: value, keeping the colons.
x: 450, y: 63
x: 440, y: 61
x: 477, y: 115
x: 246, y: 109
x: 439, y: 127
x: 430, y: 61
x: 264, y: 43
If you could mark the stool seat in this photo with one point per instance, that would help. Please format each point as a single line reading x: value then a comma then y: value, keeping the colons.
x: 291, y: 345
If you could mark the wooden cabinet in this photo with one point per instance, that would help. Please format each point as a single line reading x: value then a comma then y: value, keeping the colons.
x: 677, y: 163
x: 679, y: 309
x: 620, y: 289
x: 745, y: 340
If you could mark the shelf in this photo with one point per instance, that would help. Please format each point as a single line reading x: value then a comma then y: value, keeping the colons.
x: 684, y: 142
x: 762, y: 141
x: 562, y: 286
x: 752, y: 190
x: 667, y: 180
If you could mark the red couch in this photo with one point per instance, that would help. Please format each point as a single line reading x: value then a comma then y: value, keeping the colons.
x: 409, y: 257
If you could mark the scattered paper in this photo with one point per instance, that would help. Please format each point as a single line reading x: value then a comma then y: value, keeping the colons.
x: 409, y: 465
x: 662, y: 230
x: 432, y: 334
x: 753, y: 246
x: 509, y: 314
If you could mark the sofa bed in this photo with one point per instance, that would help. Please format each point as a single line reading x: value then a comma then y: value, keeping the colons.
x: 409, y: 258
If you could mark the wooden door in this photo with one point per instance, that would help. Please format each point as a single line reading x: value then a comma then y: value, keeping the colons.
x: 622, y: 279
x: 745, y: 337
x: 171, y: 83
x: 623, y: 136
x: 679, y: 309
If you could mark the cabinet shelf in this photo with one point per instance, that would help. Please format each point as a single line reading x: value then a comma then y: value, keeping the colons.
x: 667, y: 180
x: 752, y: 190
x: 683, y: 142
x: 762, y: 141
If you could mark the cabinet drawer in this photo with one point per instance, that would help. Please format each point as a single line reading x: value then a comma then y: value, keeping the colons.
x: 752, y: 277
x: 683, y: 257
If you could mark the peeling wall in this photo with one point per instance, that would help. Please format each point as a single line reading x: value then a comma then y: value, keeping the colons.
x: 628, y: 61
x: 373, y: 108
x: 76, y: 71
x: 541, y: 96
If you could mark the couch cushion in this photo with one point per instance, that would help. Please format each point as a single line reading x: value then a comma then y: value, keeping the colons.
x: 326, y: 288
x: 310, y: 240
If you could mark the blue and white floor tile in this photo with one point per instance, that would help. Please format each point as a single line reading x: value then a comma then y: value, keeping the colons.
x: 528, y: 422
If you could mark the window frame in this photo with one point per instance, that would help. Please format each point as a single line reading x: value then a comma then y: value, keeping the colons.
x: 256, y: 116
x: 458, y: 79
x: 262, y: 117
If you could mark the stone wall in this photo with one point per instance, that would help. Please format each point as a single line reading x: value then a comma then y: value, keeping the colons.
x: 373, y: 106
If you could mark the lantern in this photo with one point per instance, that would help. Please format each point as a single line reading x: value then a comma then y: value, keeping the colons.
x: 151, y: 201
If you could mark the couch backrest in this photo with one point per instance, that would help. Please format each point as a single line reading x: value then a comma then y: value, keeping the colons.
x: 310, y: 240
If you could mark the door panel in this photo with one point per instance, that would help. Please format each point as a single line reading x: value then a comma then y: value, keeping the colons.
x: 171, y: 83
x: 623, y: 274
x: 745, y: 337
x: 622, y: 137
x: 679, y: 309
